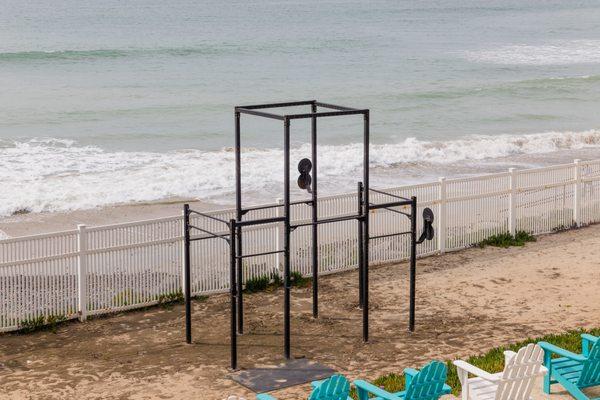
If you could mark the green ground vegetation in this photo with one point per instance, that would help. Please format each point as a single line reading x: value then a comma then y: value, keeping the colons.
x: 507, y: 240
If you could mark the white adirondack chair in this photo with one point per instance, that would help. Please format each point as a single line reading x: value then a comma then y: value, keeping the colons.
x: 514, y: 383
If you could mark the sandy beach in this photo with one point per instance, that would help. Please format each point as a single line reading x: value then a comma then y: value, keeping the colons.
x: 468, y: 302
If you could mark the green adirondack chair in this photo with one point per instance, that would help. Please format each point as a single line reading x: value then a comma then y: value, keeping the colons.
x: 336, y: 387
x: 573, y: 371
x: 427, y: 384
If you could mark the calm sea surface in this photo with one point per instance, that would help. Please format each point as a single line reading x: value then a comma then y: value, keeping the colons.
x: 106, y: 102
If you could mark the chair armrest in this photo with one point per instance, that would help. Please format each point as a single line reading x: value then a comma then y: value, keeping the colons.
x: 587, y: 341
x: 589, y: 337
x: 409, y: 373
x: 264, y: 396
x: 548, y: 347
x: 508, y: 355
x: 465, y: 366
x: 376, y: 390
x: 316, y: 384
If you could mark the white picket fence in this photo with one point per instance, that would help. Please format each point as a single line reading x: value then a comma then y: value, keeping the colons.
x: 99, y: 270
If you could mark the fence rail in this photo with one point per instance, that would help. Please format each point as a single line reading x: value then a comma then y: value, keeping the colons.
x: 103, y: 269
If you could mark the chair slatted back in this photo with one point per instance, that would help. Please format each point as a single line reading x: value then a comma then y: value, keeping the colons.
x: 520, y: 373
x: 590, y: 374
x: 428, y: 383
x: 336, y: 387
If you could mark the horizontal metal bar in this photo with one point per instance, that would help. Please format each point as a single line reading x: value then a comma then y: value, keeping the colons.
x: 260, y: 221
x: 275, y: 205
x: 327, y: 114
x: 389, y: 194
x: 209, y: 216
x: 260, y: 254
x: 390, y: 235
x: 225, y: 237
x: 334, y: 106
x: 392, y: 204
x: 328, y: 220
x: 277, y: 105
x: 396, y: 211
x: 208, y: 233
x: 260, y: 113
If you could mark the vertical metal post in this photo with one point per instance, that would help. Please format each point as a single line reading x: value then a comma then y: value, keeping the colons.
x: 238, y: 208
x: 187, y: 273
x: 279, y: 238
x: 360, y: 245
x: 365, y: 244
x: 286, y: 241
x: 315, y: 227
x: 413, y: 262
x: 233, y: 294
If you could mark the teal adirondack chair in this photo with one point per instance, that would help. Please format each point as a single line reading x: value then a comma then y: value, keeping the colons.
x: 573, y: 371
x: 427, y: 384
x: 335, y: 387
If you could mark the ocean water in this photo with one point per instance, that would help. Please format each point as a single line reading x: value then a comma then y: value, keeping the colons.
x: 109, y: 102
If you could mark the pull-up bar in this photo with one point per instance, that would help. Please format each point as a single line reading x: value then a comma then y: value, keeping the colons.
x: 328, y: 220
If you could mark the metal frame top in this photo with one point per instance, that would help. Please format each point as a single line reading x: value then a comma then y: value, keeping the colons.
x: 339, y: 110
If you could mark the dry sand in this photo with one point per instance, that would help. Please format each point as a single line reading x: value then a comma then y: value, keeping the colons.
x: 468, y: 302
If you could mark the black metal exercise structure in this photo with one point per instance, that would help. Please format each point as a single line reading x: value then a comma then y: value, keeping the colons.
x: 307, y: 180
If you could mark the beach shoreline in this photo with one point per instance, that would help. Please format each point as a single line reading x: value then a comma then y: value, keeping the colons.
x: 32, y: 223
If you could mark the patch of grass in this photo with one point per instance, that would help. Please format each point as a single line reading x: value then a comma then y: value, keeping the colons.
x: 277, y: 281
x: 40, y: 323
x: 507, y: 240
x: 297, y: 280
x: 258, y: 284
x: 491, y: 361
x: 169, y: 299
x: 263, y: 283
x: 273, y: 281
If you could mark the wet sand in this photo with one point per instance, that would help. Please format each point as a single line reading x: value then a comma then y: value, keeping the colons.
x: 37, y: 223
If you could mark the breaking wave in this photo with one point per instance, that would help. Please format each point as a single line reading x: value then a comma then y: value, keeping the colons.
x: 58, y: 175
x: 562, y: 53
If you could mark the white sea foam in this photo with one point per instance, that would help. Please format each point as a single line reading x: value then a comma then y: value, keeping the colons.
x: 58, y: 175
x: 561, y: 53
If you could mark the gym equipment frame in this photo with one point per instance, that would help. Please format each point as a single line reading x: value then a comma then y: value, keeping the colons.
x: 308, y: 182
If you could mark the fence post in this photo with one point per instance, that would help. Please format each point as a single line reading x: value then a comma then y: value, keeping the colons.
x: 82, y: 257
x: 577, y: 194
x: 512, y: 203
x: 441, y: 228
x: 279, y: 236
